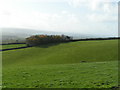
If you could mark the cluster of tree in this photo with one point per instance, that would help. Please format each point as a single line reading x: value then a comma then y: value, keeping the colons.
x: 44, y: 39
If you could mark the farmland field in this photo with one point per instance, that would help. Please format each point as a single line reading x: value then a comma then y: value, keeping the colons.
x: 12, y: 46
x: 82, y: 64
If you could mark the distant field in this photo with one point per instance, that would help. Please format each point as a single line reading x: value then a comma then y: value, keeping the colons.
x: 81, y: 64
x: 12, y: 46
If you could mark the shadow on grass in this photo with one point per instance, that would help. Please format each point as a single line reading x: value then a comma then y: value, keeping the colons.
x: 41, y: 46
x: 49, y: 45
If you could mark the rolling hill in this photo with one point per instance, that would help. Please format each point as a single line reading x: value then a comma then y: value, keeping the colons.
x: 82, y: 64
x: 11, y: 35
x: 73, y: 52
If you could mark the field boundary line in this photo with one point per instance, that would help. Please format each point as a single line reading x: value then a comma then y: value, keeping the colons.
x: 15, y: 48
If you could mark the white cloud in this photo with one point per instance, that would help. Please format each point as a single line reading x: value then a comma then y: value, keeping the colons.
x: 39, y: 20
x: 102, y: 18
x: 94, y: 5
x: 107, y: 13
x: 67, y: 21
x: 101, y: 10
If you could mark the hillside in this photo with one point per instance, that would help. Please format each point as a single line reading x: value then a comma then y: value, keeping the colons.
x: 82, y: 64
x: 64, y: 53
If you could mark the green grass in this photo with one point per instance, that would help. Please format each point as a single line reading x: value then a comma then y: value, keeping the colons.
x: 12, y: 46
x: 55, y: 66
x: 74, y: 52
x: 79, y: 75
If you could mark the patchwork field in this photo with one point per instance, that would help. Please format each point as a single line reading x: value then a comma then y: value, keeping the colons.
x: 82, y: 64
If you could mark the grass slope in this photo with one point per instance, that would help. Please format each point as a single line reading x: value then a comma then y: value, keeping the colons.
x: 12, y: 46
x: 74, y: 52
x: 55, y: 66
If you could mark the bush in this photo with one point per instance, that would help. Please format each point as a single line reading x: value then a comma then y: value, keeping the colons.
x: 44, y: 39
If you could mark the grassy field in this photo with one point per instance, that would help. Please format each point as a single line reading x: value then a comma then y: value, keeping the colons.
x: 79, y: 75
x: 82, y: 64
x: 12, y: 46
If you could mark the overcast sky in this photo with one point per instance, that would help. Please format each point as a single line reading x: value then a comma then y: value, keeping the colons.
x: 98, y: 17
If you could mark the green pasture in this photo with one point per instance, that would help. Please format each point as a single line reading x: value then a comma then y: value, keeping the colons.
x: 12, y: 46
x: 82, y: 64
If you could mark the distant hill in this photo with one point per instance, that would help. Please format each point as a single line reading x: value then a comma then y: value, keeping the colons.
x: 10, y: 35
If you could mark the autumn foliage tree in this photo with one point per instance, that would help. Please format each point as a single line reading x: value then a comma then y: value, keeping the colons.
x: 44, y: 39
